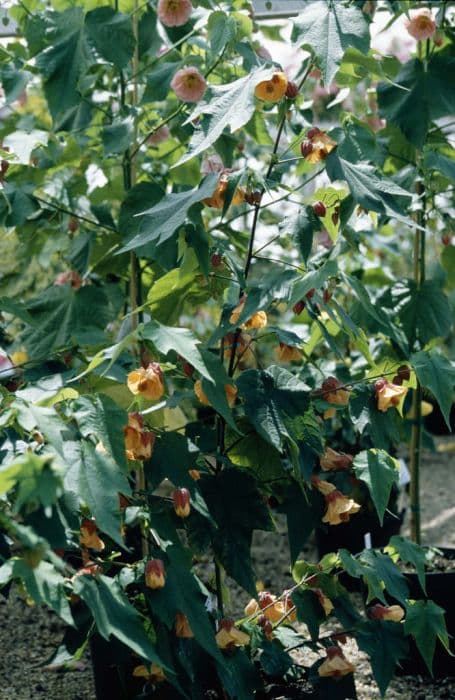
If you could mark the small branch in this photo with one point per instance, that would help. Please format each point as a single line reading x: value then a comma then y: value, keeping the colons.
x: 79, y: 217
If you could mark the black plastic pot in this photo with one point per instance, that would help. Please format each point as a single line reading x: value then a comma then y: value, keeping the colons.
x: 351, y: 535
x: 440, y: 589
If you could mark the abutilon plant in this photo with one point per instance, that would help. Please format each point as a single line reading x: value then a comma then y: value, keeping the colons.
x: 216, y: 315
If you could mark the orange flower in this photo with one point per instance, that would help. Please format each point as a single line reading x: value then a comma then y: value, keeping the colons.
x: 216, y: 201
x: 174, y: 13
x: 228, y: 636
x: 316, y: 146
x: 148, y: 382
x: 288, y: 353
x: 89, y: 537
x: 138, y: 442
x: 388, y: 394
x: 420, y: 24
x: 335, y: 665
x: 395, y: 613
x: 243, y: 350
x: 332, y: 393
x: 272, y: 90
x: 325, y: 602
x: 339, y: 508
x: 230, y: 391
x: 195, y: 474
x: 182, y: 626
x: 182, y: 502
x: 325, y: 487
x: 335, y: 461
x: 273, y: 609
x: 154, y: 673
x: 257, y: 320
x: 155, y: 574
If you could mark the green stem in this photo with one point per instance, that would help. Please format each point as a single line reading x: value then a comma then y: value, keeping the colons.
x: 219, y: 588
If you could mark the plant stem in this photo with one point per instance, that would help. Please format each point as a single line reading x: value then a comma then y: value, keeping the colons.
x: 219, y: 588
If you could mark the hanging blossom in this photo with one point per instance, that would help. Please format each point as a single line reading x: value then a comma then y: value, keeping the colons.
x: 189, y: 84
x: 420, y: 24
x: 174, y: 13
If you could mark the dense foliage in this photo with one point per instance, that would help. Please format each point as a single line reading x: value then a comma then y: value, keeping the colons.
x: 216, y: 313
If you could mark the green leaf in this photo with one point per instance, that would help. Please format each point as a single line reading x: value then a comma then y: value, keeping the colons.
x: 64, y: 62
x: 254, y: 452
x: 100, y: 482
x: 118, y: 136
x: 180, y: 340
x: 159, y: 80
x: 385, y: 644
x: 424, y: 311
x: 329, y: 29
x: 300, y: 517
x: 45, y: 585
x: 14, y: 82
x: 177, y: 290
x: 173, y: 455
x: 22, y: 143
x: 409, y: 553
x: 114, y: 614
x: 371, y: 190
x: 378, y: 571
x: 301, y: 226
x: 314, y: 279
x: 309, y: 610
x: 237, y: 508
x: 420, y: 94
x: 425, y: 622
x: 231, y: 107
x: 434, y: 160
x: 271, y: 395
x: 100, y: 417
x: 112, y: 35
x: 38, y: 482
x: 437, y: 374
x: 221, y: 30
x: 380, y: 472
x: 159, y: 223
x: 17, y: 309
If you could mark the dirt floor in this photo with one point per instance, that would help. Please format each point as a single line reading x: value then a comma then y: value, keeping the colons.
x: 28, y: 635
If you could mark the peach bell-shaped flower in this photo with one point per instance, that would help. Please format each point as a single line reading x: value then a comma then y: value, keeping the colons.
x: 256, y: 321
x: 333, y: 393
x: 395, y: 613
x: 335, y: 461
x: 148, y: 382
x: 272, y: 90
x: 388, y: 395
x: 154, y: 673
x: 155, y: 574
x: 189, y: 84
x: 228, y: 636
x: 89, y: 536
x: 138, y: 442
x: 335, y: 665
x: 174, y: 13
x: 230, y: 391
x: 182, y: 626
x: 420, y: 24
x: 339, y: 508
x: 288, y: 353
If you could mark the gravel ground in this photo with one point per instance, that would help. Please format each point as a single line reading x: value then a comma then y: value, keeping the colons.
x: 28, y: 635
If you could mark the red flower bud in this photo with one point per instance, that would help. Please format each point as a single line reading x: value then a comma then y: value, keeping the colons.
x: 445, y: 239
x: 298, y: 307
x: 306, y: 147
x: 182, y: 498
x: 327, y: 295
x: 310, y: 293
x: 253, y: 197
x: 319, y: 209
x: 73, y: 225
x: 404, y: 372
x: 216, y: 260
x: 292, y: 90
x: 155, y: 574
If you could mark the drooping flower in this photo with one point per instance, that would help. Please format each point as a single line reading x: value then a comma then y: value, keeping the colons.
x: 216, y: 200
x: 182, y: 502
x: 89, y: 536
x: 274, y: 609
x: 288, y: 353
x: 388, y: 395
x: 335, y: 461
x: 272, y: 90
x: 153, y: 673
x: 138, y: 442
x: 325, y: 602
x: 324, y: 487
x: 228, y: 636
x: 155, y: 574
x: 189, y: 84
x: 395, y: 613
x: 339, y: 508
x: 335, y: 665
x: 425, y: 409
x: 230, y: 391
x: 420, y: 24
x: 70, y: 277
x: 182, y: 626
x: 257, y: 320
x: 317, y: 145
x: 148, y: 382
x: 174, y: 13
x: 333, y: 393
x: 162, y: 134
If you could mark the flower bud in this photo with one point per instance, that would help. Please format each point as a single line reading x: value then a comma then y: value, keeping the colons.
x: 298, y: 307
x: 319, y: 209
x: 181, y: 499
x: 155, y: 574
x: 394, y: 613
x: 306, y: 148
x: 292, y: 90
x: 445, y: 239
x: 73, y: 225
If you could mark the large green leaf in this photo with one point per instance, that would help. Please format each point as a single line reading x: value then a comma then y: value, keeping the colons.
x: 64, y: 62
x: 424, y: 311
x: 180, y: 340
x: 437, y: 374
x: 159, y: 223
x: 420, y: 94
x: 385, y: 644
x: 425, y: 622
x: 329, y: 29
x: 370, y: 189
x: 114, y: 614
x: 100, y: 483
x: 37, y: 481
x: 271, y: 395
x: 380, y: 472
x: 237, y: 508
x: 309, y: 610
x: 100, y: 417
x: 112, y: 35
x: 222, y: 29
x: 379, y: 573
x: 45, y: 585
x: 300, y: 226
x: 231, y: 106
x: 409, y: 553
x: 300, y: 516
